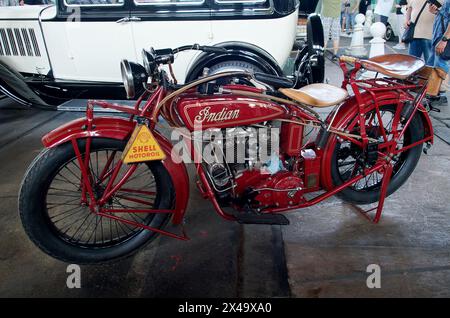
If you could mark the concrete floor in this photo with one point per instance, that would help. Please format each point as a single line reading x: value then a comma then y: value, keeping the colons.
x: 323, y: 253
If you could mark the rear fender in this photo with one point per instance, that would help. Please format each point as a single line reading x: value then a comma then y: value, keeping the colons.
x: 121, y: 129
x: 349, y: 110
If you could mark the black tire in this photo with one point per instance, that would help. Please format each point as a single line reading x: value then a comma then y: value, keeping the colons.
x: 389, y: 36
x: 33, y: 208
x: 402, y: 169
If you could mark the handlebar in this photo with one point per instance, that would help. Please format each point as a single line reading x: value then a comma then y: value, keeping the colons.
x: 348, y: 59
x: 197, y: 47
x: 166, y: 56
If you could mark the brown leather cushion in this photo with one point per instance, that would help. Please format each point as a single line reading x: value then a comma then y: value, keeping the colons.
x: 317, y: 95
x: 399, y: 66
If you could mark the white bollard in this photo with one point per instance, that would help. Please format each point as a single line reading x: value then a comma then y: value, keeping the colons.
x: 378, y: 31
x: 368, y: 23
x: 357, y: 45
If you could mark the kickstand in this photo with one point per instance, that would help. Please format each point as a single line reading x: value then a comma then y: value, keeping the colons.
x: 383, y: 193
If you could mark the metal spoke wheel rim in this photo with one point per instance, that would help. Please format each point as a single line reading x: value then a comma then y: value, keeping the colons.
x: 350, y: 166
x: 76, y: 224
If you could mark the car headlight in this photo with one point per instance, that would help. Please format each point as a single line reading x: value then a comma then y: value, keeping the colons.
x: 133, y: 77
x: 149, y: 60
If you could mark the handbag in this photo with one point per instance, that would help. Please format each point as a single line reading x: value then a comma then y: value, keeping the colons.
x: 408, y: 36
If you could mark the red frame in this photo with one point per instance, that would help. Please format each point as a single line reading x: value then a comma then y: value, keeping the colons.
x: 376, y: 92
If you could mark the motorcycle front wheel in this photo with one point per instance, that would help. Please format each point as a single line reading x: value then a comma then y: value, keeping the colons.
x: 57, y: 220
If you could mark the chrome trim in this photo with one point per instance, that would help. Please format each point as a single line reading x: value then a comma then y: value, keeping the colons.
x: 127, y: 78
x: 99, y: 5
x: 190, y: 3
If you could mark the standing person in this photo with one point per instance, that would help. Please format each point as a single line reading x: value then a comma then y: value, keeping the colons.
x: 383, y: 10
x: 351, y: 14
x: 419, y: 13
x: 401, y: 4
x: 441, y: 36
x: 344, y: 9
x: 363, y: 5
x: 347, y: 22
x: 331, y: 14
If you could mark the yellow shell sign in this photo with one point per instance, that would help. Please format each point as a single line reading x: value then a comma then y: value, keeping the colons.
x: 142, y: 146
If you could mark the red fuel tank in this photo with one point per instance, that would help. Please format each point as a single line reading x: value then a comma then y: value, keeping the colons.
x: 225, y: 111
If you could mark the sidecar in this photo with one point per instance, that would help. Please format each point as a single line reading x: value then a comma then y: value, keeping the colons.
x: 51, y: 54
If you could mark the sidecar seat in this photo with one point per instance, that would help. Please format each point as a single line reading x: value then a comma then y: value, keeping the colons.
x: 317, y: 95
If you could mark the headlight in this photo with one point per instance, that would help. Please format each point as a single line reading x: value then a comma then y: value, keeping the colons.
x: 149, y: 60
x: 133, y: 76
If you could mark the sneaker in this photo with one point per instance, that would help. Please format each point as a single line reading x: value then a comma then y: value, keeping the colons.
x: 399, y: 46
x: 439, y: 101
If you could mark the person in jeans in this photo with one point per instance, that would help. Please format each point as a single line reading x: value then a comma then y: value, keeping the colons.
x: 350, y: 8
x: 352, y: 12
x: 331, y: 15
x: 441, y: 36
x: 400, y: 23
x: 383, y: 10
x: 420, y: 46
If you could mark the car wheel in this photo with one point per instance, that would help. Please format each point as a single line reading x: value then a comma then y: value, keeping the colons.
x: 389, y: 36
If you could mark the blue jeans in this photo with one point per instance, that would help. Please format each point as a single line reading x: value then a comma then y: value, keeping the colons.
x: 419, y: 47
x: 436, y: 61
x: 349, y: 21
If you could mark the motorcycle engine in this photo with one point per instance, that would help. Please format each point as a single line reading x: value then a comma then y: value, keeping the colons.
x: 239, y: 173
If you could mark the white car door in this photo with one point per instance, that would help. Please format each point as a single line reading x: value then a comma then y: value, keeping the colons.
x: 170, y: 24
x: 90, y: 46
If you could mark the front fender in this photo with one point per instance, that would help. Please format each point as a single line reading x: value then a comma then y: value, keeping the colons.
x: 347, y: 112
x: 121, y: 129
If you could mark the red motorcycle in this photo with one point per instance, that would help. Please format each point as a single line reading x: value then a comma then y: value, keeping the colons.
x: 103, y: 187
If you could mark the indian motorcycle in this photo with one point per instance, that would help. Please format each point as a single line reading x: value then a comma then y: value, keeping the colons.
x: 103, y: 187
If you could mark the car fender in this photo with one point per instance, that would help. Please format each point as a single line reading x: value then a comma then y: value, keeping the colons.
x: 13, y: 85
x: 236, y: 51
x: 121, y: 129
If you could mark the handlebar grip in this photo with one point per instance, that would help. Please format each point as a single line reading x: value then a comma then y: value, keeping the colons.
x: 348, y: 59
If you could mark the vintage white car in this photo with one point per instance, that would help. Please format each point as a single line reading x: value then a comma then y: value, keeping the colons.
x: 72, y: 50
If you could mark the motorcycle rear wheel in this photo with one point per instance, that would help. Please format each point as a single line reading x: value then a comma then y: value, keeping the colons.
x: 60, y: 225
x: 367, y: 190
